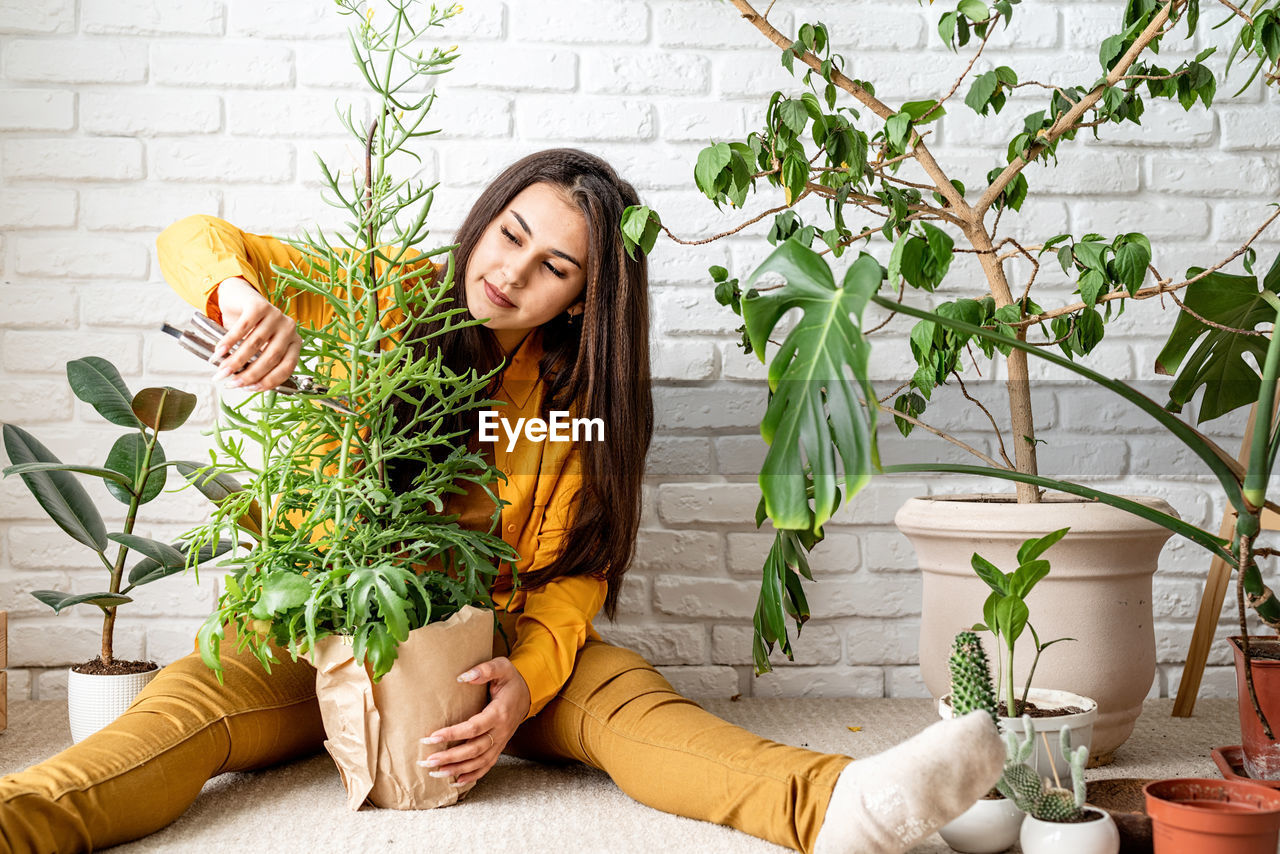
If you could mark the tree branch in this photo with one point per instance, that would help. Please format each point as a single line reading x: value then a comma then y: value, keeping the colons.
x: 1068, y: 119
x: 1161, y: 287
x: 935, y: 431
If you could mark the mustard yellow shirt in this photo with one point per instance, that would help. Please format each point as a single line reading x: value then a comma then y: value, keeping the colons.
x: 552, y: 622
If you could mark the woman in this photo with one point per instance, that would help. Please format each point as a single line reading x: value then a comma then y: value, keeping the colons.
x: 541, y: 263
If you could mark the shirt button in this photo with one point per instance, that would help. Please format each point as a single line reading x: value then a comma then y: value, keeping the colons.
x: 511, y: 529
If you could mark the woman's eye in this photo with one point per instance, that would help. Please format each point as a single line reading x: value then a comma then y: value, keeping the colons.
x: 512, y: 238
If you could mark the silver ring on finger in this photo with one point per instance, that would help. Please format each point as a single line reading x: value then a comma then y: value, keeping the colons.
x: 492, y: 743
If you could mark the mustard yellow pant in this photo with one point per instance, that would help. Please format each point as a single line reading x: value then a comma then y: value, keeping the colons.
x: 616, y: 713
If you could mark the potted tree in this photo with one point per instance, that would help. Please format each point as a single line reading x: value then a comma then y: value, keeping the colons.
x: 355, y: 561
x: 134, y: 473
x: 822, y: 440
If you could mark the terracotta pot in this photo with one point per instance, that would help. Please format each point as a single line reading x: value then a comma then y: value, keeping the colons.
x: 1086, y: 837
x: 987, y: 827
x: 1261, y: 754
x: 1046, y: 761
x: 1098, y: 592
x: 1201, y: 816
x: 95, y: 700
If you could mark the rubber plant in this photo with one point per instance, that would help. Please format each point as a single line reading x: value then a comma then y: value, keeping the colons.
x: 134, y: 474
x: 335, y: 549
x: 839, y: 142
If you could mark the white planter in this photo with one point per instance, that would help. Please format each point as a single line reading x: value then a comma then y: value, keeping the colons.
x: 1089, y: 837
x: 1080, y: 725
x: 987, y: 827
x: 1098, y: 592
x: 93, y: 700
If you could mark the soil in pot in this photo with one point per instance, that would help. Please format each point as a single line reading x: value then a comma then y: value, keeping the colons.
x: 1261, y: 754
x: 116, y: 668
x: 1202, y: 816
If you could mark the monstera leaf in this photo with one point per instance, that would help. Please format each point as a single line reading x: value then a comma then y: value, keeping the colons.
x: 814, y: 412
x: 1218, y: 362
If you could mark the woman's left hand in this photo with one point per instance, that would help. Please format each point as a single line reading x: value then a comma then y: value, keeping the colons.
x: 485, y: 734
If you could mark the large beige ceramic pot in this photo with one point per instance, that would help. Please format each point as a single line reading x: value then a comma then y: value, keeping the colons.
x: 1099, y: 591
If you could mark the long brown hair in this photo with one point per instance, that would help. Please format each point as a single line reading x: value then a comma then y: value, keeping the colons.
x: 597, y: 366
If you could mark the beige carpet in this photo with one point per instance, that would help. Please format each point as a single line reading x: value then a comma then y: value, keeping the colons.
x: 527, y: 807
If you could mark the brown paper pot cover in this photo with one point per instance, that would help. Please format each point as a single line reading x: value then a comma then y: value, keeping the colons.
x: 374, y: 731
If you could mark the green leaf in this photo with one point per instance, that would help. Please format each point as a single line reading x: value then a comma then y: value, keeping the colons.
x: 990, y: 574
x: 711, y: 162
x: 162, y: 553
x: 1034, y: 547
x: 984, y: 86
x: 1092, y: 285
x: 1026, y: 577
x: 97, y: 382
x: 127, y: 457
x: 165, y: 408
x: 217, y: 486
x: 281, y: 591
x: 57, y: 492
x: 898, y: 128
x: 947, y: 29
x: 106, y: 474
x: 917, y: 109
x: 1092, y: 254
x: 793, y: 114
x: 795, y: 173
x: 1132, y: 259
x: 1011, y: 617
x: 58, y: 600
x: 1220, y: 362
x: 974, y: 10
x: 148, y: 569
x: 814, y: 413
x: 1110, y: 50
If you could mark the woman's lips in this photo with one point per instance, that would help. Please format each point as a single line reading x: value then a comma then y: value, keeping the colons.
x: 495, y: 296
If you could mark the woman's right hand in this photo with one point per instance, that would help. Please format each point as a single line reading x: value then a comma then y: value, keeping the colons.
x: 259, y: 328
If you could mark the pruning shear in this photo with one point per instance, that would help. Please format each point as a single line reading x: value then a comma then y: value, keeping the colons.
x: 206, y: 334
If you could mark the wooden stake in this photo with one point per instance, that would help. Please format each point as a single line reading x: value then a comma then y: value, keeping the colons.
x: 4, y: 677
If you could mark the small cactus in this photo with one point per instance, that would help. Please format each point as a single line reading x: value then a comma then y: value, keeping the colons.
x: 971, y: 686
x: 971, y: 689
x: 1029, y: 793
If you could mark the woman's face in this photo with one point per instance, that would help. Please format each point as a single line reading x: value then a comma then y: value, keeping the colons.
x: 529, y: 264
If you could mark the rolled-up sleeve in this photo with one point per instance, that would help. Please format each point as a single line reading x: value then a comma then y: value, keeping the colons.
x: 197, y: 253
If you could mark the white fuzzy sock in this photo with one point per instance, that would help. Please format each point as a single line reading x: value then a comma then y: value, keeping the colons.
x: 885, y: 803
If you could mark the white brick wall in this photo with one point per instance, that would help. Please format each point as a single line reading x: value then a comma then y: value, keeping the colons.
x: 120, y: 116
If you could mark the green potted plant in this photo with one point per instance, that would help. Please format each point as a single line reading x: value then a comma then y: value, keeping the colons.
x: 842, y: 144
x: 134, y: 474
x: 359, y: 569
x: 1006, y: 615
x: 1056, y: 820
x: 992, y: 824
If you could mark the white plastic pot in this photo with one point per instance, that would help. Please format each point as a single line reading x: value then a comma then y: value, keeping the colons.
x: 1080, y: 725
x: 987, y: 827
x: 1088, y: 837
x: 95, y: 700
